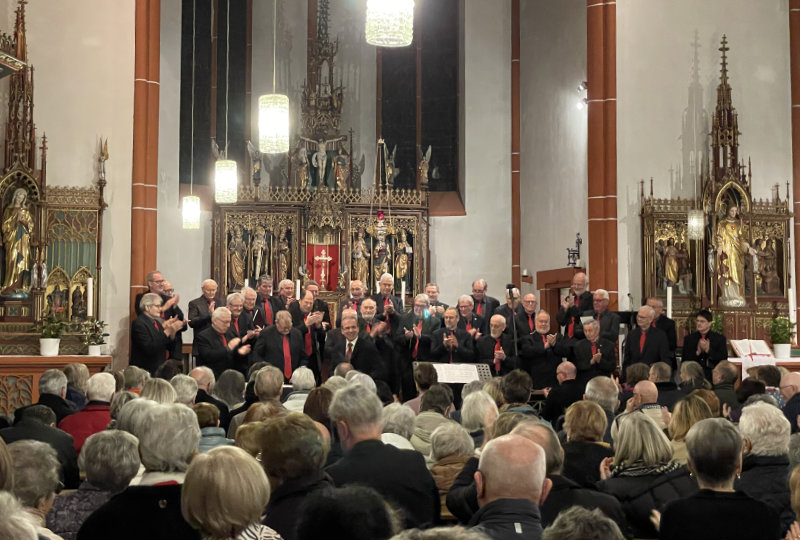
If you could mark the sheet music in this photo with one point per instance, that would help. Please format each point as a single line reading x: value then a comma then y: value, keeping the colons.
x: 456, y: 373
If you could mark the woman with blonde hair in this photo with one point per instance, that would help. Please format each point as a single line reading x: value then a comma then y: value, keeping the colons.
x: 224, y: 494
x: 688, y: 411
x: 585, y: 423
x: 159, y: 391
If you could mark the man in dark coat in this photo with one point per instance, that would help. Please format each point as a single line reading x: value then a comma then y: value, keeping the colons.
x: 577, y: 302
x: 219, y: 348
x: 511, y: 310
x: 705, y: 346
x: 201, y: 308
x: 412, y: 342
x: 52, y: 393
x: 608, y: 320
x: 309, y: 323
x: 451, y: 343
x: 281, y: 345
x: 385, y: 299
x: 241, y: 322
x: 541, y: 351
x: 497, y: 347
x: 565, y: 394
x: 152, y: 338
x: 723, y: 378
x: 484, y: 305
x: 205, y: 387
x: 470, y: 321
x: 666, y: 325
x: 526, y: 317
x: 356, y: 348
x: 594, y: 355
x: 644, y: 343
x: 668, y: 391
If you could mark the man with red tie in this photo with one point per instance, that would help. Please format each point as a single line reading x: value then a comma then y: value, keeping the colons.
x: 594, y: 355
x: 219, y: 348
x: 385, y: 301
x: 266, y: 302
x: 200, y: 309
x: 151, y: 336
x: 264, y: 289
x: 484, y: 305
x: 526, y: 318
x: 285, y: 293
x: 254, y: 310
x: 666, y: 324
x: 413, y: 342
x: 451, y: 343
x: 542, y: 351
x: 497, y: 347
x: 574, y: 304
x: 241, y: 323
x: 468, y: 319
x: 706, y: 347
x: 356, y: 297
x: 608, y: 320
x: 280, y: 345
x: 645, y: 343
x: 310, y: 325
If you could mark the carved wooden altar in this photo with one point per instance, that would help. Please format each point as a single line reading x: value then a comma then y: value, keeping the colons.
x: 739, y: 263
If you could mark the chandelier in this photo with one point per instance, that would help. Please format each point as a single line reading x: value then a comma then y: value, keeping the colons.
x: 226, y: 176
x: 696, y: 224
x: 273, y: 109
x: 190, y: 211
x: 390, y: 23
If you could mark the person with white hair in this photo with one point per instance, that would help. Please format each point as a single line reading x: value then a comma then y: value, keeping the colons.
x: 206, y: 386
x: 201, y: 308
x: 594, y: 354
x: 605, y: 392
x: 399, y: 475
x: 766, y: 434
x: 607, y: 320
x: 52, y: 393
x: 478, y: 415
x: 451, y: 447
x: 385, y: 301
x: 398, y: 425
x: 152, y: 509
x: 281, y: 345
x: 97, y: 413
x: 645, y: 343
x: 218, y: 346
x: 153, y: 338
x: 469, y: 320
x: 485, y: 305
x: 302, y: 382
x: 185, y: 389
x: 16, y: 522
x: 511, y: 482
x: 77, y: 377
x: 35, y: 480
x: 159, y: 390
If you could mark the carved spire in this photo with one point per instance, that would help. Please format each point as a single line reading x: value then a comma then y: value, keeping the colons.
x: 725, y: 126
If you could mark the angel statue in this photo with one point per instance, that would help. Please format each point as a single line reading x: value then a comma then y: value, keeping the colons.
x: 392, y: 171
x: 424, y: 161
x: 402, y: 254
x: 319, y: 160
x: 341, y: 166
x: 236, y: 251
x: 283, y: 255
x: 255, y: 159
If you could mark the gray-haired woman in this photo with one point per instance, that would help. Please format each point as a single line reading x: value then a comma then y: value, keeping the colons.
x: 36, y: 480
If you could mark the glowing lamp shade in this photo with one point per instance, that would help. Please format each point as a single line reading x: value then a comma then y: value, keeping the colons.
x: 191, y: 212
x: 226, y: 181
x: 696, y: 224
x: 390, y: 23
x: 273, y: 123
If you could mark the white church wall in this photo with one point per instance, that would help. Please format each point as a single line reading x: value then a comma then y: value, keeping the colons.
x: 553, y: 148
x: 464, y: 248
x: 84, y: 91
x: 654, y: 73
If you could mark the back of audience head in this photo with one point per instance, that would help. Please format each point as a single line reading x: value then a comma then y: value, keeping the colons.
x: 362, y: 379
x: 118, y: 401
x: 342, y: 369
x: 204, y: 376
x: 317, y: 404
x: 100, y: 387
x: 492, y: 387
x: 356, y: 412
x: 604, y: 392
x: 158, y: 390
x: 263, y: 410
x: 639, y: 439
x: 512, y: 467
x: 451, y: 439
x: 302, y: 379
x: 440, y: 533
x: 17, y: 524
x: 425, y: 375
x: 224, y: 492
x: 254, y: 369
x: 171, y: 437
x: 516, y: 387
x: 110, y: 459
x: 478, y: 412
x: 248, y: 437
x: 6, y: 468
x: 766, y: 429
x: 351, y: 374
x: 506, y: 422
x: 585, y: 421
x: 725, y: 373
x: 687, y: 412
x: 543, y: 434
x: 660, y: 372
x: 384, y: 392
x: 291, y: 447
x: 760, y: 398
x: 185, y: 389
x: 470, y: 387
x: 635, y: 373
x: 77, y: 376
x: 119, y: 381
x: 749, y: 387
x: 53, y: 381
x: 169, y: 369
x: 714, y: 448
x: 438, y: 398
x: 399, y: 419
x: 335, y: 383
x: 134, y: 377
x: 229, y: 388
x: 579, y: 523
x: 269, y: 383
x: 36, y: 469
x: 207, y: 414
x: 769, y: 375
x: 711, y: 400
x: 348, y: 513
x: 40, y: 413
x: 693, y: 372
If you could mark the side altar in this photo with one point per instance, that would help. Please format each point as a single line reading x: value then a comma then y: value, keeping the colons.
x: 722, y: 250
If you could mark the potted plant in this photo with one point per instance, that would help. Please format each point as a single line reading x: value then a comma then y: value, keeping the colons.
x: 94, y: 335
x: 780, y: 333
x: 50, y: 328
x: 718, y: 324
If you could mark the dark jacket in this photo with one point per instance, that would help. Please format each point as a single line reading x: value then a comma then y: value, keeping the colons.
x: 766, y: 478
x: 284, y: 508
x: 582, y: 461
x: 583, y: 303
x: 511, y: 519
x: 150, y: 346
x: 668, y: 394
x: 224, y: 414
x: 542, y: 361
x: 70, y: 510
x: 561, y: 397
x: 61, y: 407
x: 61, y: 442
x: 655, y: 349
x: 727, y: 395
x: 463, y: 352
x: 717, y: 351
x: 269, y: 348
x: 791, y: 410
x: 214, y: 354
x: 640, y: 495
x: 566, y: 493
x: 484, y: 352
x: 582, y: 357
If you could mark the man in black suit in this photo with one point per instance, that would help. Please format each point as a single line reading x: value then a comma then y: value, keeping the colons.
x: 385, y: 300
x: 52, y: 393
x: 356, y: 348
x: 668, y: 391
x: 268, y: 303
x: 608, y: 320
x: 205, y: 387
x: 578, y: 301
x: 319, y: 304
x: 382, y: 328
x: 594, y: 355
x: 251, y: 307
x: 356, y: 297
x: 170, y: 300
x: 413, y: 342
x: 309, y: 323
x: 156, y: 284
x: 201, y: 308
x: 152, y: 338
x: 511, y: 309
x: 526, y: 317
x: 568, y: 391
x: 497, y: 347
x: 484, y: 305
x: 400, y: 476
x: 437, y: 307
x: 542, y: 351
x: 280, y: 345
x: 666, y: 325
x: 706, y: 347
x: 468, y: 319
x: 451, y: 343
x: 38, y: 423
x: 285, y: 294
x: 644, y: 343
x: 219, y: 348
x: 241, y: 323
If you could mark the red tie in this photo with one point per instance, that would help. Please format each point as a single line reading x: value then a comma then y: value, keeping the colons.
x: 641, y: 342
x: 268, y: 311
x: 307, y: 338
x: 530, y: 321
x: 594, y: 348
x: 236, y: 324
x: 497, y: 347
x: 479, y: 309
x: 355, y: 305
x: 571, y: 326
x: 469, y: 325
x: 386, y: 302
x: 369, y: 328
x: 544, y: 340
x: 450, y: 334
x: 703, y: 337
x: 653, y: 324
x: 349, y: 352
x: 224, y: 340
x: 416, y: 345
x: 287, y: 358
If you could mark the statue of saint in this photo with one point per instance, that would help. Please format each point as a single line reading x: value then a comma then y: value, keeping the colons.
x: 341, y: 168
x: 671, y: 262
x: 236, y: 252
x: 259, y: 254
x: 381, y: 255
x: 78, y: 303
x: 731, y: 252
x: 17, y: 229
x: 401, y: 260
x: 360, y: 255
x: 301, y: 167
x: 283, y: 255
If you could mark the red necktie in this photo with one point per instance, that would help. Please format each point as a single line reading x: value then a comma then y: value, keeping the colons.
x: 268, y: 311
x: 450, y: 334
x: 236, y: 324
x: 469, y: 325
x: 571, y: 326
x: 703, y: 337
x: 479, y: 309
x: 224, y: 340
x: 416, y: 345
x: 544, y: 340
x: 594, y: 348
x: 497, y: 347
x: 386, y: 302
x: 307, y: 338
x: 641, y: 342
x: 349, y: 352
x: 653, y: 324
x: 287, y: 358
x: 530, y: 321
x: 355, y: 305
x: 369, y: 328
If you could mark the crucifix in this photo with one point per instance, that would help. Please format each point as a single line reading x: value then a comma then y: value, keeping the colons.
x: 323, y: 275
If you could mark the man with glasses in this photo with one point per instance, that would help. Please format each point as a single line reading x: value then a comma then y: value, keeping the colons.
x: 511, y: 309
x: 152, y: 338
x: 645, y: 343
x: 156, y: 284
x: 484, y: 305
x: 577, y: 301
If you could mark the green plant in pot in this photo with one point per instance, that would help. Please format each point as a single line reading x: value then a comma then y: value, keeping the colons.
x: 780, y: 334
x: 51, y: 327
x: 94, y: 335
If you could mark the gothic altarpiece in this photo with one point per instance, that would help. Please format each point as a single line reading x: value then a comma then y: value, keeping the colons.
x: 740, y: 268
x: 322, y: 224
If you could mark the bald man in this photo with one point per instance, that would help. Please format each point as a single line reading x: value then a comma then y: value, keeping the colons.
x: 497, y: 347
x: 451, y: 343
x: 790, y: 390
x: 205, y: 379
x: 568, y: 391
x: 511, y: 483
x: 541, y: 351
x: 645, y: 399
x: 576, y: 302
x: 645, y: 343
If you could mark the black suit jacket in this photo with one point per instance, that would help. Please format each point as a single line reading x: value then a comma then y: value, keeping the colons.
x: 399, y: 475
x: 463, y: 352
x: 655, y: 348
x: 57, y: 404
x: 717, y: 351
x: 566, y: 493
x: 542, y: 362
x: 564, y: 316
x: 484, y: 352
x: 405, y: 345
x: 213, y: 353
x: 476, y: 321
x: 668, y: 327
x: 269, y: 348
x: 380, y: 300
x: 61, y: 442
x: 609, y: 325
x: 149, y: 345
x: 200, y: 316
x: 244, y: 322
x: 668, y: 394
x: 523, y: 326
x: 561, y: 397
x: 582, y: 357
x: 365, y: 357
x: 317, y: 334
x: 224, y: 414
x: 489, y: 305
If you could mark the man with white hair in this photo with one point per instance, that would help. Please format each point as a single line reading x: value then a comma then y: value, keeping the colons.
x: 285, y: 293
x: 577, y: 301
x: 608, y: 320
x: 96, y: 415
x: 201, y: 308
x: 309, y: 323
x: 52, y: 393
x: 594, y: 354
x: 241, y: 323
x: 399, y: 475
x: 385, y: 301
x: 302, y: 382
x: 665, y: 324
x: 790, y: 390
x: 469, y: 320
x: 497, y: 347
x: 218, y: 347
x: 413, y: 342
x: 605, y: 392
x: 645, y: 399
x: 541, y: 351
x: 281, y: 345
x: 512, y: 484
x: 185, y: 389
x: 568, y: 391
x: 526, y: 317
x: 644, y: 343
x: 206, y: 380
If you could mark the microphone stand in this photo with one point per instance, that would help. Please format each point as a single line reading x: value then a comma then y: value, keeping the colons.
x: 510, y: 289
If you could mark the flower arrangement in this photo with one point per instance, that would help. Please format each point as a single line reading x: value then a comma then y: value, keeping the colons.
x: 93, y: 331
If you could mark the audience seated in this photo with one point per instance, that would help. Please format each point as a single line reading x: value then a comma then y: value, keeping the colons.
x: 711, y: 400
x: 248, y: 437
x: 424, y: 376
x: 568, y: 391
x: 211, y: 434
x: 35, y: 480
x: 134, y: 378
x: 169, y: 369
x: 117, y: 402
x: 451, y: 447
x: 466, y: 390
x: 206, y: 386
x: 230, y: 388
x: 605, y: 392
x: 52, y: 393
x: 348, y: 513
x: 478, y: 414
x: 692, y: 377
x: 16, y: 522
x: 441, y: 533
x: 77, y: 376
x: 302, y: 382
x: 687, y: 413
x: 790, y: 390
x: 398, y: 426
x: 585, y: 424
x: 110, y: 460
x: 96, y: 415
x: 435, y: 409
x: 716, y: 512
x: 645, y: 399
x: 185, y: 389
x: 492, y: 387
x: 159, y: 390
x: 268, y: 385
x: 515, y: 389
x: 668, y: 393
x: 771, y: 377
x: 724, y: 377
x: 579, y: 523
x: 633, y: 374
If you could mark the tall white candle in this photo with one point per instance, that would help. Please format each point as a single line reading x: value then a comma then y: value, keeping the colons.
x: 246, y: 282
x: 297, y: 290
x: 90, y: 297
x: 792, y: 306
x: 669, y: 302
x: 403, y: 293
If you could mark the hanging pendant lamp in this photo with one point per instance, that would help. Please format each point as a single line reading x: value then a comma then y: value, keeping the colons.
x: 190, y: 209
x: 226, y: 175
x: 273, y: 109
x: 390, y: 23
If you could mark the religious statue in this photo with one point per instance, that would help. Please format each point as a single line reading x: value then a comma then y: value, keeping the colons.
x: 768, y: 268
x: 283, y: 255
x: 236, y: 253
x: 381, y: 254
x: 402, y: 254
x: 259, y: 253
x: 660, y: 280
x: 731, y: 253
x: 424, y: 161
x: 17, y: 229
x: 341, y: 167
x: 301, y: 167
x: 319, y: 160
x: 360, y: 255
x: 78, y: 303
x: 671, y: 262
